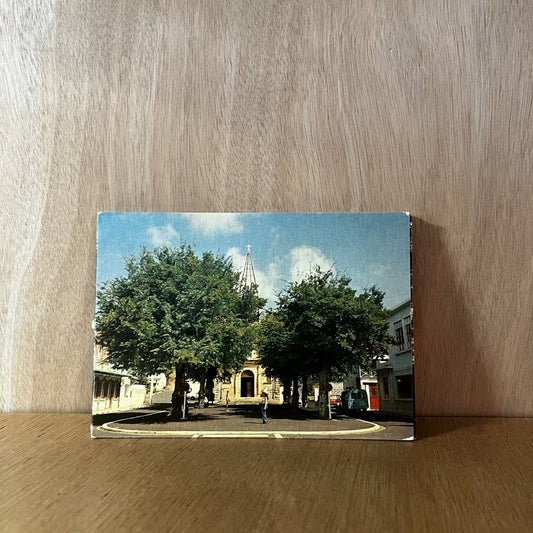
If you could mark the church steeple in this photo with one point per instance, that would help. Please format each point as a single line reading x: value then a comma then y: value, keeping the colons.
x: 247, y: 279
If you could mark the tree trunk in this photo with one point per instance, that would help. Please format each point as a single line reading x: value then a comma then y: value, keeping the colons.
x: 178, y: 395
x: 201, y: 392
x: 210, y: 384
x: 295, y: 394
x: 323, y: 396
x: 286, y: 390
x: 305, y: 391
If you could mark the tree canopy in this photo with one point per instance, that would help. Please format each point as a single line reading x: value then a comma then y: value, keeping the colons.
x: 176, y: 311
x: 322, y: 328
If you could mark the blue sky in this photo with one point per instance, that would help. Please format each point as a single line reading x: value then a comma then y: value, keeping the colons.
x: 369, y: 248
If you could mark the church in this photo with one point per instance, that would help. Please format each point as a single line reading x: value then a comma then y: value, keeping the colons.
x: 247, y: 385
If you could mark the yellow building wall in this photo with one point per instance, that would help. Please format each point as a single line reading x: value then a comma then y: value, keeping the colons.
x: 261, y: 383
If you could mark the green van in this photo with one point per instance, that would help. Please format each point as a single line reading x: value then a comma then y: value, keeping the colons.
x: 354, y: 400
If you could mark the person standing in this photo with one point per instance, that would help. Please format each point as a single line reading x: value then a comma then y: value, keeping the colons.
x: 264, y: 406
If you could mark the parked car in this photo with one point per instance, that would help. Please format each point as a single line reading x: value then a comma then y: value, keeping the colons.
x: 335, y: 401
x: 354, y: 400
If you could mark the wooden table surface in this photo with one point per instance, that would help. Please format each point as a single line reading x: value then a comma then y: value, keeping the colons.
x: 463, y: 474
x: 235, y: 106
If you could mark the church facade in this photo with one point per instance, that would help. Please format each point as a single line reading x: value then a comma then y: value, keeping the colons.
x: 247, y: 385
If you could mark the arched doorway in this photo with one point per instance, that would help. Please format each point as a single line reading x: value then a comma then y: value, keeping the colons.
x: 247, y: 384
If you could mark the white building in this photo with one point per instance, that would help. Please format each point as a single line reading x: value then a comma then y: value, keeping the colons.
x: 114, y: 390
x: 395, y: 372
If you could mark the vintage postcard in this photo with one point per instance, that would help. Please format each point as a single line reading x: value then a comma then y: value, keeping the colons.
x: 254, y: 325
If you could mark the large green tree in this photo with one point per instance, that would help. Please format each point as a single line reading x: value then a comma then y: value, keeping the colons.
x: 175, y: 311
x: 276, y: 348
x: 322, y: 328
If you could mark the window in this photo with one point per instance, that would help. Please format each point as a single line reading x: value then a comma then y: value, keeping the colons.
x: 408, y: 330
x: 403, y: 333
x: 398, y: 332
x: 386, y: 390
x: 404, y: 385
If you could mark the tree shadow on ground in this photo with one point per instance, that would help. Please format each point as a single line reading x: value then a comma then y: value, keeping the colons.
x: 275, y: 411
x: 158, y: 415
x: 213, y: 413
x: 163, y: 418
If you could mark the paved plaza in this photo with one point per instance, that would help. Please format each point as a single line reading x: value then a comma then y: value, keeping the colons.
x: 244, y: 421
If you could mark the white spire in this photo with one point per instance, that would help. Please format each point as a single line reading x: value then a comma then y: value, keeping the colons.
x: 247, y: 278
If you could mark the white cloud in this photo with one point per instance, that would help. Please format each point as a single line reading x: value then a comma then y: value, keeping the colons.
x: 378, y: 269
x: 162, y: 235
x: 213, y: 223
x: 236, y: 258
x: 269, y: 282
x: 305, y: 259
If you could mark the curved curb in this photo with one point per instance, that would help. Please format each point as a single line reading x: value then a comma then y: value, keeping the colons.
x: 235, y: 434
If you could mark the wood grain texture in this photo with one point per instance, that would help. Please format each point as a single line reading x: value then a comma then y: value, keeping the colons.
x: 272, y: 106
x: 53, y: 478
